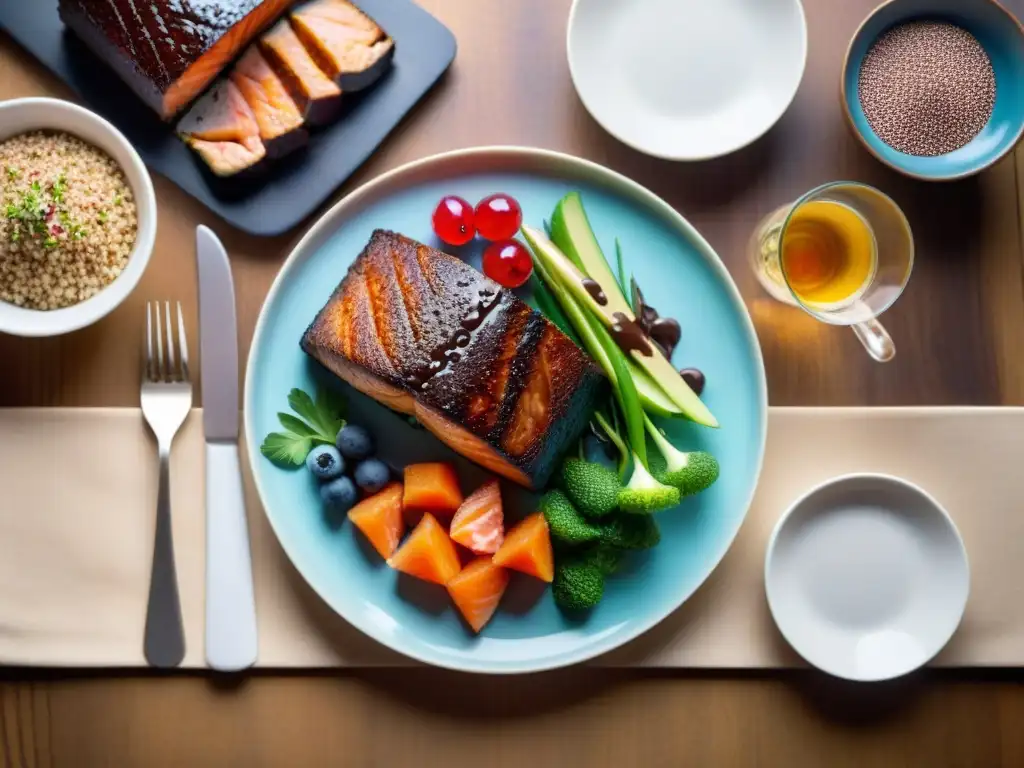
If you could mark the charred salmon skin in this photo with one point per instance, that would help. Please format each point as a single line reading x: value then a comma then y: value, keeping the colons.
x: 279, y: 120
x: 427, y: 335
x: 223, y: 130
x: 345, y: 43
x: 316, y: 95
x: 168, y: 51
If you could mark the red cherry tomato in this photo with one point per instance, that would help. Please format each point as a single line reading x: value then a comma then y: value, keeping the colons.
x: 453, y: 220
x: 498, y: 217
x: 508, y: 263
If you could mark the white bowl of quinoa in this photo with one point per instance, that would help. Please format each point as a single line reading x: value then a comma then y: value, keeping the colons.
x: 77, y: 217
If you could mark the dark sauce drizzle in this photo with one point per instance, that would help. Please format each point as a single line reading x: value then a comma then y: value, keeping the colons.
x: 664, y: 331
x: 451, y: 351
x: 594, y: 289
x: 630, y: 336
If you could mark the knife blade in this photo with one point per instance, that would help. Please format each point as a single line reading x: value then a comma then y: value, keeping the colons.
x: 231, y: 636
x: 218, y: 340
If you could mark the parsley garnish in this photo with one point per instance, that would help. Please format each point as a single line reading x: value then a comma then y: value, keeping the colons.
x: 58, y: 188
x: 320, y: 423
x: 12, y: 172
x: 103, y: 216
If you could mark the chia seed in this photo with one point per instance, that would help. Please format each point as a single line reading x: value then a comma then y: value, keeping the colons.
x: 927, y: 87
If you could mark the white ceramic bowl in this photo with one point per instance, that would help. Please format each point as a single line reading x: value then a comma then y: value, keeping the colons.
x: 687, y: 79
x: 867, y: 577
x: 21, y: 115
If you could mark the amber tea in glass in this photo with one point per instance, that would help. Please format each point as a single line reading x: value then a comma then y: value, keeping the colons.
x: 843, y: 252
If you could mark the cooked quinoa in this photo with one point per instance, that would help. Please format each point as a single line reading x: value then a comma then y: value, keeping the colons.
x: 67, y: 220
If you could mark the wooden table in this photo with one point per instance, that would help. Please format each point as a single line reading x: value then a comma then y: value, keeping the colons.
x: 959, y: 329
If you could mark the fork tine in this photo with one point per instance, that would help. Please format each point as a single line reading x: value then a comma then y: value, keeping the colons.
x: 172, y: 366
x: 149, y: 341
x: 184, y: 344
x: 159, y: 345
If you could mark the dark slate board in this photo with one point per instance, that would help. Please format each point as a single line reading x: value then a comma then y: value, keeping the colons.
x: 290, y: 188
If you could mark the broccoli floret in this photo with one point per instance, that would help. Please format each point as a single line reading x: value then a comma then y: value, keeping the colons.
x: 644, y: 495
x: 627, y: 532
x: 578, y: 585
x: 605, y: 557
x: 690, y: 472
x: 593, y: 488
x: 567, y: 526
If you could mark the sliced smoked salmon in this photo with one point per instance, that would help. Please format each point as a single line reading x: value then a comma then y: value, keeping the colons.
x: 477, y: 590
x: 223, y: 130
x: 229, y: 158
x: 221, y: 114
x: 346, y: 43
x: 168, y: 52
x: 428, y: 553
x: 431, y: 487
x: 479, y: 523
x: 527, y: 548
x: 379, y: 517
x: 279, y: 120
x: 430, y: 336
x: 316, y: 95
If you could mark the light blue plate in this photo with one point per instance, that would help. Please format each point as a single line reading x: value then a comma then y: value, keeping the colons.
x: 680, y: 275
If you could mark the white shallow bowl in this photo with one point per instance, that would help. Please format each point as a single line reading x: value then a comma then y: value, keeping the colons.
x: 21, y: 115
x: 687, y: 79
x: 867, y: 577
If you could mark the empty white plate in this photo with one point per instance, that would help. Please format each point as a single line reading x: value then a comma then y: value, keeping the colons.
x: 687, y: 79
x: 867, y: 577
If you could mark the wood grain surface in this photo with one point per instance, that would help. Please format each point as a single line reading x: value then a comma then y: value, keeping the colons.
x: 959, y: 330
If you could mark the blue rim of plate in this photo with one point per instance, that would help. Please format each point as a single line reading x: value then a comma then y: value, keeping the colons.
x: 518, y: 158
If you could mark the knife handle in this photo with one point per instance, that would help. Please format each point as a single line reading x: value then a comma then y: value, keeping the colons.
x: 230, y: 602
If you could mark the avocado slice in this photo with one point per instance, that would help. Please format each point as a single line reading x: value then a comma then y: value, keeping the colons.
x: 569, y: 276
x: 652, y: 396
x: 572, y: 233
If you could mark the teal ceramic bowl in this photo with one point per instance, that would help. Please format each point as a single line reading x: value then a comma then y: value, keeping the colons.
x: 680, y: 275
x: 1002, y: 36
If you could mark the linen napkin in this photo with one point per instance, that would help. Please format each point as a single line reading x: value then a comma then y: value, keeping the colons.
x: 76, y: 536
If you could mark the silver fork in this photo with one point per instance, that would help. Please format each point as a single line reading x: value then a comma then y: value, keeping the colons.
x: 166, y: 400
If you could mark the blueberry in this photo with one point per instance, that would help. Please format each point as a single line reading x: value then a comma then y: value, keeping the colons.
x: 372, y: 475
x: 354, y: 442
x: 325, y: 463
x: 339, y: 495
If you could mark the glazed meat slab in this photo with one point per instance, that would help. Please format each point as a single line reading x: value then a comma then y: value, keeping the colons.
x: 428, y: 335
x: 168, y: 51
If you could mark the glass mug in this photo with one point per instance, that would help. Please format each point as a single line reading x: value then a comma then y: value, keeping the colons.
x: 843, y: 253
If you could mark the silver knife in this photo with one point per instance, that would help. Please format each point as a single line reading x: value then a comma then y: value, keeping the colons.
x: 230, y: 603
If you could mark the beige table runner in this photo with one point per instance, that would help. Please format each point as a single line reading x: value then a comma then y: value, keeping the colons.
x: 76, y: 531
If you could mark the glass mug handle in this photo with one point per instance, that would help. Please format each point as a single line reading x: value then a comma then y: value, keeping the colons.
x: 876, y: 340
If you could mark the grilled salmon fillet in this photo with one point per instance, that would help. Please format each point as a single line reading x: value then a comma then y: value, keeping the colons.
x: 427, y: 335
x: 222, y: 128
x: 168, y: 51
x: 317, y: 96
x: 278, y: 117
x: 345, y: 43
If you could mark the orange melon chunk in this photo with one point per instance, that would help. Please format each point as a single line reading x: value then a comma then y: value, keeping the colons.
x: 527, y: 548
x: 477, y: 590
x: 431, y: 487
x: 379, y: 517
x: 428, y: 553
x: 479, y: 524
